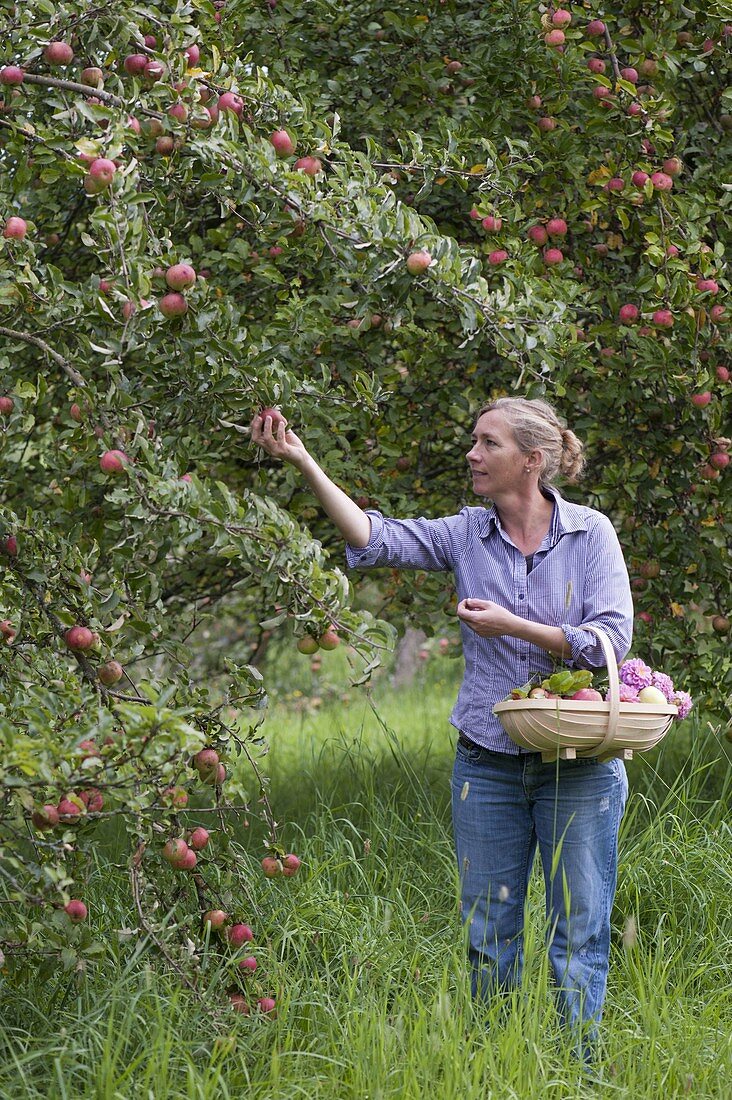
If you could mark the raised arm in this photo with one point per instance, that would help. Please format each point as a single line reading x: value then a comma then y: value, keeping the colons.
x: 281, y: 442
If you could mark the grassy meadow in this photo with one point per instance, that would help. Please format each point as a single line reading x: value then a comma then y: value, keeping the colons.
x: 364, y: 950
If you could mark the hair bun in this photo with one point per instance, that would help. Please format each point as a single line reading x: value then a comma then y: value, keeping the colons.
x: 572, y: 462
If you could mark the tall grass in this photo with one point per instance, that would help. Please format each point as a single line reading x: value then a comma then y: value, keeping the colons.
x: 365, y: 952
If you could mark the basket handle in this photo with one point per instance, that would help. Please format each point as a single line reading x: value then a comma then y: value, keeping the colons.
x: 614, y: 684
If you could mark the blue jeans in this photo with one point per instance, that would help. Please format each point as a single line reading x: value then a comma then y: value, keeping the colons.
x: 503, y: 806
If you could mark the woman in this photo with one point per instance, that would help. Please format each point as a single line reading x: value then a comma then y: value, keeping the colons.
x: 531, y: 569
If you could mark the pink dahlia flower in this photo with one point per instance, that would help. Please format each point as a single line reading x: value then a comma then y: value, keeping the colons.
x: 628, y: 694
x: 664, y: 683
x: 636, y: 673
x: 683, y: 701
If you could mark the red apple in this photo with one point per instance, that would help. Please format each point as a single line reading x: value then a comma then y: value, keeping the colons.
x: 266, y: 1005
x: 628, y: 314
x: 110, y: 673
x: 661, y: 181
x: 707, y: 286
x: 180, y: 276
x: 230, y: 101
x: 173, y: 305
x: 192, y: 55
x: 587, y: 695
x: 271, y: 866
x: 58, y: 53
x: 238, y: 934
x: 418, y: 262
x: 68, y: 811
x: 311, y: 166
x: 165, y: 145
x: 556, y: 227
x: 102, y: 171
x: 206, y: 763
x: 547, y: 124
x: 275, y: 415
x: 188, y: 861
x: 638, y: 179
x: 237, y: 1000
x: 492, y: 224
x: 555, y: 37
x: 719, y: 460
x: 92, y: 77
x: 329, y: 639
x: 561, y: 17
x: 553, y: 256
x: 497, y: 257
x: 178, y: 111
x: 135, y: 63
x: 307, y: 644
x: 217, y: 918
x: 248, y: 965
x: 113, y: 462
x: 15, y: 229
x: 282, y: 143
x: 175, y: 851
x: 663, y: 318
x: 595, y: 28
x: 290, y: 865
x: 701, y: 400
x: 45, y: 817
x: 6, y: 406
x: 79, y: 638
x: 596, y: 65
x: 10, y: 546
x: 538, y: 234
x: 630, y: 74
x: 198, y: 839
x: 76, y: 911
x: 11, y: 75
x: 154, y: 70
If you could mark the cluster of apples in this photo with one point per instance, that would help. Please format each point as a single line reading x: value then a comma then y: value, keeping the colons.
x: 69, y: 810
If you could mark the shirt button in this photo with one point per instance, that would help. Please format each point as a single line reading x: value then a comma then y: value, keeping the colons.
x: 521, y: 595
x: 524, y: 656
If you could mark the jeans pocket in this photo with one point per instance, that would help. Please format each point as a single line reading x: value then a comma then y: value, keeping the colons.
x: 471, y: 754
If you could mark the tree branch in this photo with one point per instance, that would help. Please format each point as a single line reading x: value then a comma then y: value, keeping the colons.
x: 28, y: 337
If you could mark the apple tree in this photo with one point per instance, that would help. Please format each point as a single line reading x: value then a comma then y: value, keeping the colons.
x: 373, y: 218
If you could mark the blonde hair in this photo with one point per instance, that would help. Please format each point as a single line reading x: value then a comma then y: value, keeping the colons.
x: 537, y: 427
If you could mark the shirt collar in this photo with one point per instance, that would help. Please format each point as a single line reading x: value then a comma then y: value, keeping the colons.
x: 567, y: 517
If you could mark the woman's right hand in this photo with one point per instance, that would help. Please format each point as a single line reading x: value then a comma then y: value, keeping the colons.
x: 280, y: 443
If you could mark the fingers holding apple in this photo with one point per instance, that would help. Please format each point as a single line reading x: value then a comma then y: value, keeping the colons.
x: 270, y: 432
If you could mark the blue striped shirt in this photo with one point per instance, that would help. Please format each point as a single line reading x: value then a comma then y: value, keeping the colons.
x: 578, y: 576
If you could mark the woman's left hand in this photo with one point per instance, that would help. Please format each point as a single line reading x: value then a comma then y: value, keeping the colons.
x: 487, y: 619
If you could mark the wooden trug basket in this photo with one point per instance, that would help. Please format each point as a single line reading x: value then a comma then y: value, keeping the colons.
x: 569, y: 728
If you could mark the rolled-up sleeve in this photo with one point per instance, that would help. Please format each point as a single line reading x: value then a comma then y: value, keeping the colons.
x: 607, y: 600
x: 430, y: 544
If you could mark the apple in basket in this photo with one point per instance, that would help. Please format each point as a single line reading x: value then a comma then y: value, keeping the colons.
x: 652, y: 695
x: 587, y: 695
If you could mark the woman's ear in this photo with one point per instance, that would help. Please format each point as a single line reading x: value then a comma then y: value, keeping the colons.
x: 534, y: 461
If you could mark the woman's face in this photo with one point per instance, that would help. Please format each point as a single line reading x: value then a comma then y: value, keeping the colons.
x: 496, y: 463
